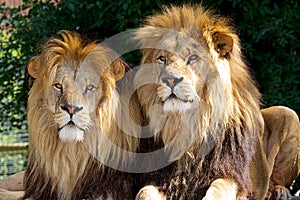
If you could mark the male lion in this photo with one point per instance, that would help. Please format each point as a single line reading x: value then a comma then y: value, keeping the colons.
x: 203, y: 105
x: 72, y: 108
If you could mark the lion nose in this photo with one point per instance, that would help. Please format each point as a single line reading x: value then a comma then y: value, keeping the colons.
x: 171, y: 81
x: 71, y: 109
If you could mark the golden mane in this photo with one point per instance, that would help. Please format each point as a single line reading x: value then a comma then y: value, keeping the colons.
x: 187, y: 19
x: 69, y: 170
x: 228, y: 113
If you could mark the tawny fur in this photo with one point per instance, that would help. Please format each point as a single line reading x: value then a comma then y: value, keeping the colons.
x: 282, y: 147
x: 224, y: 119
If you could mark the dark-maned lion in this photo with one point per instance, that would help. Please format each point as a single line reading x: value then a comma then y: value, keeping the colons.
x: 203, y: 105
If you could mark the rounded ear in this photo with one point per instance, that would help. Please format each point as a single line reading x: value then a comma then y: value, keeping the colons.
x: 223, y: 43
x: 33, y: 66
x: 118, y: 68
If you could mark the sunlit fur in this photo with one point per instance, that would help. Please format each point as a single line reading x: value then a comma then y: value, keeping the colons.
x: 67, y: 169
x: 226, y: 117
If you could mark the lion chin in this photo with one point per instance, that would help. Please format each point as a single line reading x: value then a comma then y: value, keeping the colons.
x: 71, y: 133
x: 175, y: 105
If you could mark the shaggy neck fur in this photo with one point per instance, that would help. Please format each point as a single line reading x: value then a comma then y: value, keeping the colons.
x: 115, y: 126
x: 58, y: 168
x: 51, y: 161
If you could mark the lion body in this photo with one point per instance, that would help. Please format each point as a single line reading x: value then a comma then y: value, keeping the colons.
x: 204, y: 108
x: 71, y: 111
x: 281, y: 144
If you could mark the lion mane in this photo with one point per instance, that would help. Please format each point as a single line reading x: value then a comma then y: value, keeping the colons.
x: 72, y: 110
x: 210, y: 120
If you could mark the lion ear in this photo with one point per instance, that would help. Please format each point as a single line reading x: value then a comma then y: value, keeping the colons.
x: 118, y: 68
x: 32, y: 67
x: 223, y: 43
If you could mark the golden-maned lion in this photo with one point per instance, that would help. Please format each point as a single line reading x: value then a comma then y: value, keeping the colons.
x: 72, y: 110
x: 204, y: 107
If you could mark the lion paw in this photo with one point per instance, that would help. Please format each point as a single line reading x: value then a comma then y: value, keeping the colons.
x: 10, y: 195
x: 149, y: 192
x: 282, y: 193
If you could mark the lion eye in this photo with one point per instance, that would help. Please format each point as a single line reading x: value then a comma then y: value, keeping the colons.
x: 58, y: 86
x: 90, y: 88
x: 162, y: 59
x: 192, y: 58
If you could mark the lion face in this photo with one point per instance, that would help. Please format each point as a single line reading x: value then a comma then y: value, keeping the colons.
x: 72, y: 82
x: 72, y: 101
x: 182, y: 72
x: 183, y: 68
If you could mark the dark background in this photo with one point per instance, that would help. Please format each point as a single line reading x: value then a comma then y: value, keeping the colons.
x: 269, y: 32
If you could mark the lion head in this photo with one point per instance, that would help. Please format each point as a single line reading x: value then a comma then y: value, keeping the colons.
x: 72, y: 107
x: 72, y: 79
x: 196, y: 90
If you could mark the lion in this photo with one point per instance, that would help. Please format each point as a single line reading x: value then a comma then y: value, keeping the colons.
x: 73, y: 107
x: 203, y: 107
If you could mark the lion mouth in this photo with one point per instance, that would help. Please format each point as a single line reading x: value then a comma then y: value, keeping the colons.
x: 174, y: 97
x: 70, y: 124
x: 71, y: 132
x: 174, y: 104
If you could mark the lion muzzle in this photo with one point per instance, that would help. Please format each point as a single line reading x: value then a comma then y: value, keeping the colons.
x: 71, y: 109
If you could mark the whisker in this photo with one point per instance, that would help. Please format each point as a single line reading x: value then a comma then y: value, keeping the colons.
x: 198, y: 99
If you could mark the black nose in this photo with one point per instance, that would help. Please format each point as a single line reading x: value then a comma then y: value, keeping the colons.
x: 71, y: 109
x: 171, y: 81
